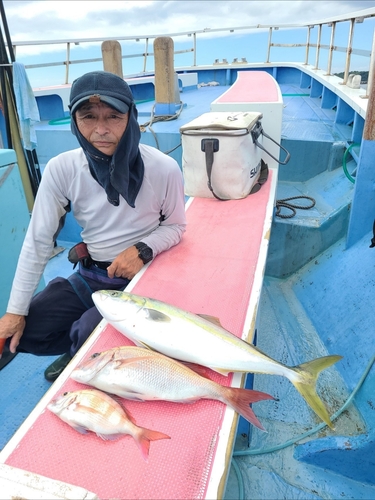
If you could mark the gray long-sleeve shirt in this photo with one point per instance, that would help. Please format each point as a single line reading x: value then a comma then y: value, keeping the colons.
x: 106, y: 229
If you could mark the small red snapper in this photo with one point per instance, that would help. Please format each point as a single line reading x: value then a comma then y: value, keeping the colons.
x: 188, y: 337
x: 141, y: 374
x: 92, y: 410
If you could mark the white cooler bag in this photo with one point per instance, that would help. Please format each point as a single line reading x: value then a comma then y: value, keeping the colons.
x: 219, y: 156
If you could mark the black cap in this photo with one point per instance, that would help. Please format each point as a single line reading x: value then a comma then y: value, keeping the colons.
x: 101, y: 86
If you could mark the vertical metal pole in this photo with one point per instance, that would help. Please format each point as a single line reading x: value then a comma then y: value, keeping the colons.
x: 6, y: 32
x: 145, y: 56
x: 4, y: 74
x: 67, y: 62
x: 349, y: 51
x: 331, y: 48
x: 194, y: 49
x: 269, y: 44
x: 308, y: 45
x: 318, y: 47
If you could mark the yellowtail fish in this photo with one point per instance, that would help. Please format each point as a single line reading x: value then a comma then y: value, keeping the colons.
x: 189, y: 337
x: 140, y: 374
x: 92, y: 410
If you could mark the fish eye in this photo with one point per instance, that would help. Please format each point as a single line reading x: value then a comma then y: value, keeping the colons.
x: 65, y: 393
x: 95, y: 355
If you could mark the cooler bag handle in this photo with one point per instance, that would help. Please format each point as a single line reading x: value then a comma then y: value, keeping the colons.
x: 209, y: 147
x: 256, y: 132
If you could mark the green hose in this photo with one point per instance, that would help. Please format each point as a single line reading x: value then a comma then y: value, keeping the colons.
x: 315, y: 429
x: 344, y: 166
x: 296, y: 439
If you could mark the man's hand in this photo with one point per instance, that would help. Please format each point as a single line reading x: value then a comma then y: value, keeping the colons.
x: 126, y: 264
x: 12, y: 325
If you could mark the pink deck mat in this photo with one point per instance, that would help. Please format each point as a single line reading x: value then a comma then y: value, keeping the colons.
x: 251, y: 86
x: 211, y: 271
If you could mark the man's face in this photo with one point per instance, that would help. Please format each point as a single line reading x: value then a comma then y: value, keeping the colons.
x: 101, y: 125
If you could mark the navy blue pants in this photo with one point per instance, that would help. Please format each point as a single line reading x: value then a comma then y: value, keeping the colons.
x: 63, y: 315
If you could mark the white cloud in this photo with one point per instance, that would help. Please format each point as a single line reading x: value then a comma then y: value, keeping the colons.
x: 32, y: 20
x: 70, y: 11
x: 61, y: 19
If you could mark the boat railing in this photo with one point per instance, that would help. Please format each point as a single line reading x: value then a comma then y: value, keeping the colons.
x: 316, y: 32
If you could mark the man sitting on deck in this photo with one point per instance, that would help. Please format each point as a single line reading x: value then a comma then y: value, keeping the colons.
x: 127, y: 197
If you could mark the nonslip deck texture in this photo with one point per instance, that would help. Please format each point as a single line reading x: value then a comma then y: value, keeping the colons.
x: 211, y: 271
x: 251, y: 87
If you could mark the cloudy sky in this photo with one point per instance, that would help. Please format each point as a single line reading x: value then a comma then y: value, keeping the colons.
x: 32, y: 20
x: 55, y: 19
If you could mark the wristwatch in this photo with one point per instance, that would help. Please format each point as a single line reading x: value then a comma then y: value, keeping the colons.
x: 145, y: 253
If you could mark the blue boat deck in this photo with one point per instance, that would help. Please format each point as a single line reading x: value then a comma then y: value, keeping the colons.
x: 317, y: 139
x: 310, y: 314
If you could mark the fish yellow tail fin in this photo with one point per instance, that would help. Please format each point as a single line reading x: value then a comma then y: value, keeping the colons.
x: 306, y: 383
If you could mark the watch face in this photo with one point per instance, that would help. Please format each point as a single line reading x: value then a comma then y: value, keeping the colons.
x: 146, y: 253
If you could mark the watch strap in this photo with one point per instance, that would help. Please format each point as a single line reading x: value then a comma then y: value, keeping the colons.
x: 145, y: 253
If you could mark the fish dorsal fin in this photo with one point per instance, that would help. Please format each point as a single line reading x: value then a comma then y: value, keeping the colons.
x: 155, y: 315
x: 212, y: 319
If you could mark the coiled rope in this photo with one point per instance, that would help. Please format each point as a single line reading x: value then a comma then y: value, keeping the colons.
x: 284, y: 203
x: 165, y: 118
